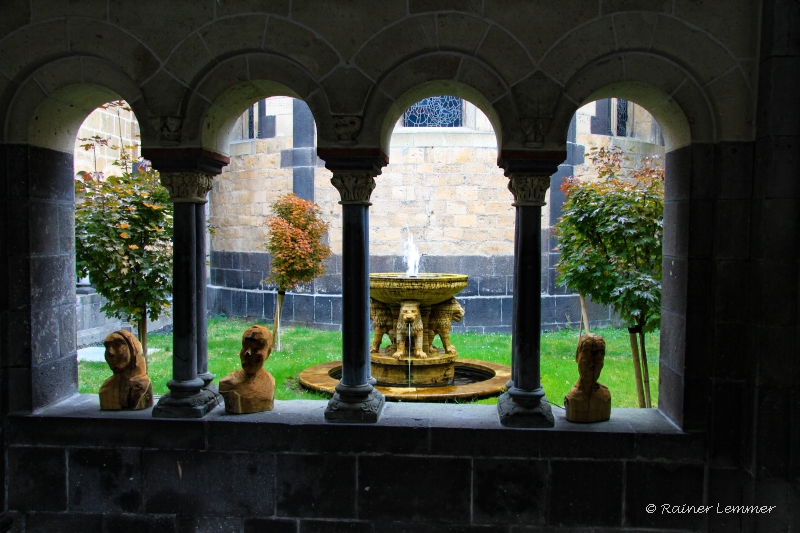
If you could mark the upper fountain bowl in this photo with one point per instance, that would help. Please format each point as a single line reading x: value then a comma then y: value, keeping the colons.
x: 427, y: 289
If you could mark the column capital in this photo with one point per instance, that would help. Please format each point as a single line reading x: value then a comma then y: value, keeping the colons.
x: 354, y: 171
x: 529, y: 189
x: 354, y: 187
x: 189, y: 187
x: 185, y: 159
x: 532, y: 162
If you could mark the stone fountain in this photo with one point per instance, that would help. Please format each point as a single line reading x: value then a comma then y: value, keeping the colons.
x: 412, y: 310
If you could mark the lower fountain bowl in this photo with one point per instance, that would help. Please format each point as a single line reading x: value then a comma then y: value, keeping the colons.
x: 429, y: 372
x: 473, y: 379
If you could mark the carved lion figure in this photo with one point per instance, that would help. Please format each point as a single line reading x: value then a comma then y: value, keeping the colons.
x: 441, y: 320
x: 382, y: 324
x: 409, y: 314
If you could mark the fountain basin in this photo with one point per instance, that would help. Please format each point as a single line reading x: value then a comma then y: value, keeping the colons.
x: 432, y: 371
x: 427, y: 289
x: 485, y: 380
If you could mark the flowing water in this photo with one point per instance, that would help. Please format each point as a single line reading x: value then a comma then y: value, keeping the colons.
x: 409, y: 354
x: 411, y: 255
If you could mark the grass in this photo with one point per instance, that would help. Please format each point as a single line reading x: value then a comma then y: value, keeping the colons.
x: 303, y: 347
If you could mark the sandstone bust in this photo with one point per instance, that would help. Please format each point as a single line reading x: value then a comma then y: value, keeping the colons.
x: 588, y: 400
x: 130, y: 386
x: 251, y: 389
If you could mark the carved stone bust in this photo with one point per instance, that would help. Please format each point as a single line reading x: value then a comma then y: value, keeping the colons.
x: 130, y: 386
x: 589, y: 400
x: 251, y: 389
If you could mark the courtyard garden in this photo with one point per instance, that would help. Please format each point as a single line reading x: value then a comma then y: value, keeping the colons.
x: 303, y: 347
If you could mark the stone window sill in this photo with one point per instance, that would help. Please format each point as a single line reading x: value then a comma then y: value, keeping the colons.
x: 405, y: 428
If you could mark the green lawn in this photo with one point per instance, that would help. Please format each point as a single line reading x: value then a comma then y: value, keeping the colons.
x: 303, y: 347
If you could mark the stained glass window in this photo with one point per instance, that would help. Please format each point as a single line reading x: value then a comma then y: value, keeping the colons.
x: 435, y: 112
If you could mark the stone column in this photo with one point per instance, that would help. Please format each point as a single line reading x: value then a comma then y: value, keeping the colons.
x: 200, y: 291
x: 187, y: 397
x: 525, y: 404
x: 355, y: 400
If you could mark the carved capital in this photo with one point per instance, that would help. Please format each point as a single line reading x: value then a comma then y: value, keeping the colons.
x: 354, y: 188
x: 187, y: 186
x: 168, y: 129
x: 535, y: 130
x: 529, y: 189
x: 347, y: 129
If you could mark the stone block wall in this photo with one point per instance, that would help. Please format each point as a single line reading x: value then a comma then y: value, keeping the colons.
x: 93, y: 325
x: 119, y: 130
x: 423, y: 468
x: 442, y: 186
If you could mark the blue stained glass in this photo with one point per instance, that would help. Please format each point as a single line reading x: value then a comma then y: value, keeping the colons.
x: 435, y: 112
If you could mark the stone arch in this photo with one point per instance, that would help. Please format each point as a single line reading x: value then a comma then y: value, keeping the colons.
x: 437, y: 88
x: 49, y: 107
x: 674, y: 98
x: 404, y: 85
x: 222, y: 94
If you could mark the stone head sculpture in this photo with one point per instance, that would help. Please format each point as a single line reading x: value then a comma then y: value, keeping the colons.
x: 130, y: 386
x: 589, y: 400
x: 251, y: 389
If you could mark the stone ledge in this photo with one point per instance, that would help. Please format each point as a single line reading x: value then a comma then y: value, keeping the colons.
x: 416, y: 429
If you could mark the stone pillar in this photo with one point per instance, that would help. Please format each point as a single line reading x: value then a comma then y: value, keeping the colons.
x: 355, y: 400
x: 200, y: 291
x: 525, y: 404
x: 187, y: 397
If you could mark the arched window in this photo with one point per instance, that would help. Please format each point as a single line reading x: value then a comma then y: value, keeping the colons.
x: 435, y: 112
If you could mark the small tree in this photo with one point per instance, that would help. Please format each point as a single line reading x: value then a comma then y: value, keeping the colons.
x: 295, y: 244
x: 123, y: 239
x: 610, y: 236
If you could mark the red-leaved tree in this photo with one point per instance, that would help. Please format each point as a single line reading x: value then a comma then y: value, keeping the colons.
x: 295, y: 243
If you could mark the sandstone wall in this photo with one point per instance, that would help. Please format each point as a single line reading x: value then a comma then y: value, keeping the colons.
x: 122, y: 130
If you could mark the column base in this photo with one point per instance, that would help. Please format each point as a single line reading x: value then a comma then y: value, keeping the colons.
x: 195, y: 406
x: 355, y: 405
x: 518, y: 413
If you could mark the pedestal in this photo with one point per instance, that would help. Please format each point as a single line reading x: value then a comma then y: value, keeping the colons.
x: 525, y: 413
x: 356, y: 404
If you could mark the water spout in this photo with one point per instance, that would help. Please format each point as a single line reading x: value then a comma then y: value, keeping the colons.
x: 411, y: 255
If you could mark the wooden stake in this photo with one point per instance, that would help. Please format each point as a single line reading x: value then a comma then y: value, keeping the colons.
x: 637, y: 371
x: 584, y: 314
x: 141, y: 327
x: 645, y: 371
x: 276, y: 325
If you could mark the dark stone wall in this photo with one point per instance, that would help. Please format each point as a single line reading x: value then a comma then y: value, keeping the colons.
x: 38, y: 295
x: 768, y: 379
x: 236, y: 288
x: 422, y: 468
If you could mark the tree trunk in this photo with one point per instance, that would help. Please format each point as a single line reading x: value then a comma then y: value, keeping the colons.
x: 141, y: 326
x: 645, y: 371
x: 584, y: 314
x: 637, y: 371
x: 276, y: 326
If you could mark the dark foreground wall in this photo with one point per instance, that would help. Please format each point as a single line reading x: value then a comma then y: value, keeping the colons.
x: 421, y: 469
x: 236, y: 289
